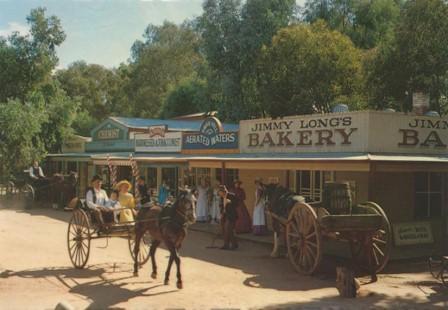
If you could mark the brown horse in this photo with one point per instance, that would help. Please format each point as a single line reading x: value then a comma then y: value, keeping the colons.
x: 167, y: 225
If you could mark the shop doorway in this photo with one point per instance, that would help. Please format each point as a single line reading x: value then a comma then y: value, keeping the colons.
x: 170, y: 177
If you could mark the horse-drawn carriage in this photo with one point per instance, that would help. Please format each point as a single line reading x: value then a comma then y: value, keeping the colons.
x: 153, y: 225
x: 83, y: 228
x: 57, y: 189
x: 364, y: 226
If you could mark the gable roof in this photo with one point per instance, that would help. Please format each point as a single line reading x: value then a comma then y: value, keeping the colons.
x: 179, y: 125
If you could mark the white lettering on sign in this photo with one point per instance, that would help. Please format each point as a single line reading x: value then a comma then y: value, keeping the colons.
x: 413, y: 233
x: 170, y: 142
x: 109, y: 134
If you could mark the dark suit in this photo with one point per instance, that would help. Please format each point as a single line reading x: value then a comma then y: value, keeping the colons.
x: 228, y: 220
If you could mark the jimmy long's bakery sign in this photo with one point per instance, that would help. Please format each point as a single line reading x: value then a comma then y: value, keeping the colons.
x: 362, y: 131
x: 211, y: 136
x: 334, y: 132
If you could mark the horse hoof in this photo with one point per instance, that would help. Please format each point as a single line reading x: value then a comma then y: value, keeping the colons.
x: 180, y: 285
x: 135, y: 274
x: 166, y: 282
x: 154, y: 275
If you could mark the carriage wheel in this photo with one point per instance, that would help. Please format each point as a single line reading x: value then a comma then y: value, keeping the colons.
x: 27, y: 194
x: 11, y: 189
x: 78, y: 239
x: 303, y: 239
x: 143, y: 253
x: 376, y: 251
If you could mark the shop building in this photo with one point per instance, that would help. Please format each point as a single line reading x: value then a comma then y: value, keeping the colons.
x: 397, y: 160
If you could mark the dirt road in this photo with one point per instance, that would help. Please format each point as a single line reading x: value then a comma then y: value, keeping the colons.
x: 36, y: 273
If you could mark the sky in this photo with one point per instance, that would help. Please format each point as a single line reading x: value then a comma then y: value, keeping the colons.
x: 99, y: 31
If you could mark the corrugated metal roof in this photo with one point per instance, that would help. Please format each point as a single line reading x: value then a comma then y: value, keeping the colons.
x: 172, y: 124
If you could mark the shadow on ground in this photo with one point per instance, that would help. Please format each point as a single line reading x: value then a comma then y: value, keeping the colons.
x: 102, y: 291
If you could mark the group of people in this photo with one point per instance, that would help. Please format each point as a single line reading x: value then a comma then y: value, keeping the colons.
x: 209, y: 206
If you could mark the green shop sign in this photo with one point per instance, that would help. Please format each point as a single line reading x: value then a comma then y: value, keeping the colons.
x: 109, y: 131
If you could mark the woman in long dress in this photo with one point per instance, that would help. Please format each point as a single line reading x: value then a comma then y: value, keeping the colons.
x: 202, y: 203
x: 215, y: 212
x: 126, y: 201
x: 163, y: 193
x: 259, y: 221
x: 243, y: 223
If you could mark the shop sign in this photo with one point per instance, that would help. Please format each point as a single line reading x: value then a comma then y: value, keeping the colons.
x: 333, y: 132
x: 210, y: 136
x: 155, y: 131
x: 413, y: 233
x: 109, y: 132
x: 158, y: 141
x: 361, y: 131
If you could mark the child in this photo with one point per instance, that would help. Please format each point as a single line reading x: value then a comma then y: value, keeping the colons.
x: 114, y: 204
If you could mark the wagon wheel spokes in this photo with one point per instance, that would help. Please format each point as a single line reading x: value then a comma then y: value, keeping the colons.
x: 303, y: 239
x: 78, y: 239
x: 376, y: 247
x: 143, y: 253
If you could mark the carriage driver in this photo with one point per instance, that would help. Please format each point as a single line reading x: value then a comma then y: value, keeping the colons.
x: 96, y: 200
x: 36, y: 172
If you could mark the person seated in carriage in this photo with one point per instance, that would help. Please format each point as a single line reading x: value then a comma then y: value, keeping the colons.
x: 36, y: 172
x: 114, y: 204
x: 96, y: 201
x: 127, y: 201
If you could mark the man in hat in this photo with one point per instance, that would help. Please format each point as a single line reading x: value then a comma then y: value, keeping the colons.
x: 229, y: 216
x: 143, y: 190
x: 96, y: 200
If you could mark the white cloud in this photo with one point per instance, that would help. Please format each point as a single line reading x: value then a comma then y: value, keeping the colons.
x: 13, y: 27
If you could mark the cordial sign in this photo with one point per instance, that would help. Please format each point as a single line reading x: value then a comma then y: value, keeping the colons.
x: 210, y: 136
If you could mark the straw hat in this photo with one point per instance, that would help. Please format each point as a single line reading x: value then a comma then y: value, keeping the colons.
x: 258, y: 180
x: 236, y: 181
x: 122, y: 182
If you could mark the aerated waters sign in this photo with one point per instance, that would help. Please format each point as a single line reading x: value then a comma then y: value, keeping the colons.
x: 210, y: 136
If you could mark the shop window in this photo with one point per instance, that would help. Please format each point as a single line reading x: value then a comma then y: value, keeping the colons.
x: 198, y: 175
x: 169, y: 175
x: 72, y: 166
x: 230, y: 176
x: 309, y: 184
x: 428, y: 194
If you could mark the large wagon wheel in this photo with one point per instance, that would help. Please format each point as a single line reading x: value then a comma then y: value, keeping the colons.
x: 27, y: 194
x: 377, y: 250
x: 303, y: 239
x: 78, y: 238
x: 143, y: 253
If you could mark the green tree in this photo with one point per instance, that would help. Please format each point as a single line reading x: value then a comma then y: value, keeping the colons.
x: 168, y: 55
x: 366, y: 22
x: 189, y: 97
x: 309, y: 69
x: 414, y: 59
x: 233, y: 35
x: 101, y: 92
x: 20, y: 127
x: 27, y: 61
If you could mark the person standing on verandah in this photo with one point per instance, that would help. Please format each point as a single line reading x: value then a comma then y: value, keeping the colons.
x: 202, y: 203
x: 243, y: 223
x: 259, y: 220
x: 228, y: 218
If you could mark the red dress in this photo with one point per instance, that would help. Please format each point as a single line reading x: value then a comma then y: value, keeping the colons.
x: 243, y: 223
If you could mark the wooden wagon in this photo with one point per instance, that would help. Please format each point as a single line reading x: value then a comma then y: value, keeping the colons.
x: 83, y: 228
x: 364, y: 226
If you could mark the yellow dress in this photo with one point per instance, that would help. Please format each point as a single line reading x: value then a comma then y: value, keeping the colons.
x: 126, y: 201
